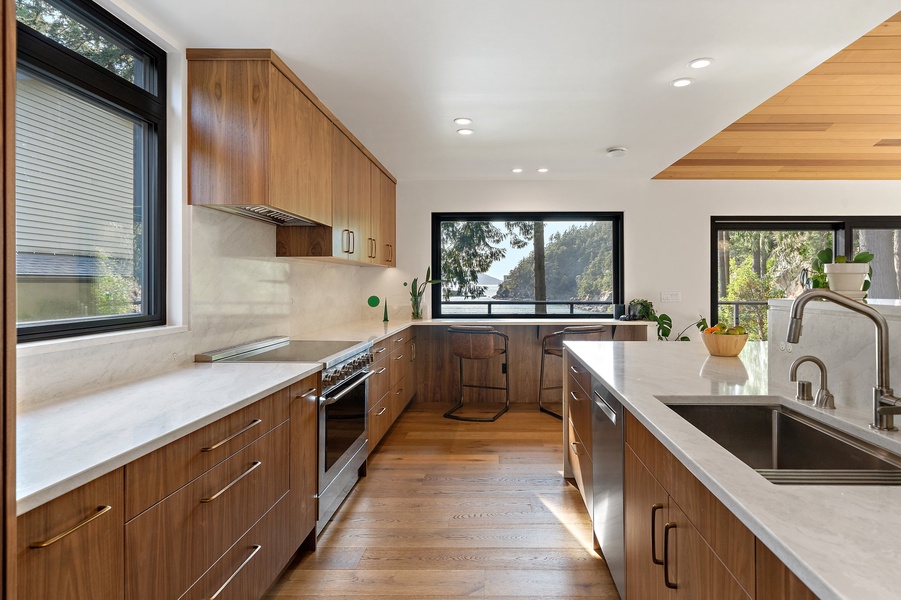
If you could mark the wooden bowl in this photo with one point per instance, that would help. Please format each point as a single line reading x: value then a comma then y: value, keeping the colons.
x: 722, y: 344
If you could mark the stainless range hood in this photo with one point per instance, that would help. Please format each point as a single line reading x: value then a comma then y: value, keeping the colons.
x: 267, y: 214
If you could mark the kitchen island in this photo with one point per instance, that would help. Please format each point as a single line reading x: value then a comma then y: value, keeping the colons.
x: 838, y: 539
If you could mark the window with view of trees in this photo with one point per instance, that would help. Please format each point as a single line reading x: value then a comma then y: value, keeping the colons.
x: 90, y: 210
x: 527, y: 264
x: 755, y: 259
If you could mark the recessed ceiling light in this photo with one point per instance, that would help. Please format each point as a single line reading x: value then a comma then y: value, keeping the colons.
x: 616, y: 151
x: 465, y: 131
x: 700, y: 63
x: 466, y: 120
x: 684, y: 81
x: 517, y: 170
x: 542, y: 170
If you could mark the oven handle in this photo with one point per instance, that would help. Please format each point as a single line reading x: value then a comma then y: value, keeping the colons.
x: 325, y: 401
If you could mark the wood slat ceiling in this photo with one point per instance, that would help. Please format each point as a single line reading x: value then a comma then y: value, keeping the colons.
x: 840, y: 121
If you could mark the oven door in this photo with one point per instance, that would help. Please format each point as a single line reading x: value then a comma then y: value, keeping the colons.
x: 343, y: 440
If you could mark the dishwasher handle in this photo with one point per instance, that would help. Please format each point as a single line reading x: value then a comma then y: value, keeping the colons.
x: 605, y: 407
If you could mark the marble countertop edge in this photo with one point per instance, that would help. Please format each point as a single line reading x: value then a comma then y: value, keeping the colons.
x: 56, y: 455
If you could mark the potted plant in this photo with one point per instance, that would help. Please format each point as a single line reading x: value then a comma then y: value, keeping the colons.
x: 851, y: 277
x: 644, y: 310
x: 417, y: 290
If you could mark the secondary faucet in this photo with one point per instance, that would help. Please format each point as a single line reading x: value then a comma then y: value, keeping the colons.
x: 885, y: 404
x: 824, y: 398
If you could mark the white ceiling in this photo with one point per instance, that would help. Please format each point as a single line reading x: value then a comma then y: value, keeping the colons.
x: 548, y: 83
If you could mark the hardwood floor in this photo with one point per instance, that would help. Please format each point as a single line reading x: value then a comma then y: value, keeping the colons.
x: 451, y: 510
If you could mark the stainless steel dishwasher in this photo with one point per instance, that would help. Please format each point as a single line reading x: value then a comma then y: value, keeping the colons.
x: 607, y: 480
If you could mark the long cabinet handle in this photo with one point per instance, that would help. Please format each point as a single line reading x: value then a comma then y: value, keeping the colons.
x: 255, y: 464
x: 654, y: 510
x: 666, y: 529
x: 256, y: 549
x: 101, y: 510
x: 353, y: 242
x: 252, y: 424
x: 307, y: 394
x: 345, y: 245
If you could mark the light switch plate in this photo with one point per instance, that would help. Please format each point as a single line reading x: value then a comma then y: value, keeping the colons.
x: 671, y: 296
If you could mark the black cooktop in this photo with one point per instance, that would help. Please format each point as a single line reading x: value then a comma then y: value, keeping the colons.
x: 324, y: 351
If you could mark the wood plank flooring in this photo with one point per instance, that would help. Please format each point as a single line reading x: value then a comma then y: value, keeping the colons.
x: 456, y: 510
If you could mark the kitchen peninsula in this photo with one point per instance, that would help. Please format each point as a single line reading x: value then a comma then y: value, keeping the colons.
x: 833, y: 537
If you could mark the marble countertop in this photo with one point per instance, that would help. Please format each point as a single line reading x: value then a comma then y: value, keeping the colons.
x: 842, y: 541
x: 65, y: 444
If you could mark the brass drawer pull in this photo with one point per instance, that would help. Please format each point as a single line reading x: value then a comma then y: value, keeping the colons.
x: 253, y: 424
x: 654, y: 510
x: 666, y: 529
x: 256, y: 549
x: 381, y: 412
x: 100, y: 511
x: 225, y: 489
x: 399, y: 356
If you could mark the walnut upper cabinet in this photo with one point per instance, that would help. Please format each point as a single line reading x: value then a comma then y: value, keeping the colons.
x: 363, y: 213
x: 258, y: 144
x: 383, y: 225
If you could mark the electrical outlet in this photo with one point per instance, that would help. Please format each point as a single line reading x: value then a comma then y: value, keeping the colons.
x: 671, y: 296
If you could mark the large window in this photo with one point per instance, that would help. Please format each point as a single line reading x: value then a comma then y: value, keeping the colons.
x: 90, y: 209
x: 527, y: 264
x: 754, y: 259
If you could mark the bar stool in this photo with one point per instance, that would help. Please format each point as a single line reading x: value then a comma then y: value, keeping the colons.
x: 478, y: 342
x: 552, y: 345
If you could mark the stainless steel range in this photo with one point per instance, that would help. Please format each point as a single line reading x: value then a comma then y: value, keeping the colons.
x: 343, y: 406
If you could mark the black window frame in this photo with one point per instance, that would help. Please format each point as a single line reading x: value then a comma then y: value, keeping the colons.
x: 81, y: 76
x: 842, y: 227
x: 614, y: 217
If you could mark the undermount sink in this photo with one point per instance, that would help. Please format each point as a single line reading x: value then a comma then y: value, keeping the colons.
x: 789, y: 448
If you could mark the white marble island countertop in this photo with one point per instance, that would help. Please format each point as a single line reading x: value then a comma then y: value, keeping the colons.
x: 65, y: 444
x: 844, y: 542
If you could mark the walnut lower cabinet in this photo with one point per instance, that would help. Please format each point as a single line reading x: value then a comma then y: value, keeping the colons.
x: 394, y: 383
x: 681, y: 542
x: 218, y: 512
x: 72, y: 547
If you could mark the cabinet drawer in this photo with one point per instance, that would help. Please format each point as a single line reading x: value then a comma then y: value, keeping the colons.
x: 86, y: 563
x: 151, y: 478
x: 398, y: 339
x: 380, y: 383
x: 399, y: 397
x: 580, y: 459
x: 173, y: 543
x: 579, y: 402
x: 397, y: 364
x: 380, y: 419
x: 579, y: 374
x: 252, y: 565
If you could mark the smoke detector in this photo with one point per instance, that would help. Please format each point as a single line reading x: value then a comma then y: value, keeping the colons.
x: 616, y: 152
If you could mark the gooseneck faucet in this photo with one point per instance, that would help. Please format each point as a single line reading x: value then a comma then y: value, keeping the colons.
x: 885, y: 404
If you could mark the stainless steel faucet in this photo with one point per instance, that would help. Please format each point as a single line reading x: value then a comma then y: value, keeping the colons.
x: 824, y: 398
x: 885, y: 404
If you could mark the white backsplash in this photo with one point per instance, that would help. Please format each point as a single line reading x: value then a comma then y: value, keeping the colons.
x: 843, y: 340
x: 239, y: 291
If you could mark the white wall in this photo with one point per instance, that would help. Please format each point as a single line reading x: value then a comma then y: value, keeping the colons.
x: 667, y: 223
